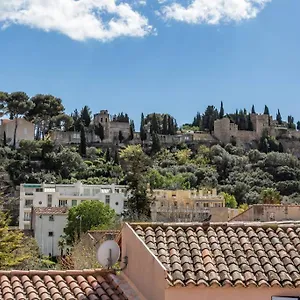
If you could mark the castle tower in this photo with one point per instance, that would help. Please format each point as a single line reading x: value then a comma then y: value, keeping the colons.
x: 104, y: 119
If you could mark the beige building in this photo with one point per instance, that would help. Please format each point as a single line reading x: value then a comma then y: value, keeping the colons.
x: 269, y: 212
x: 25, y: 130
x: 188, y: 205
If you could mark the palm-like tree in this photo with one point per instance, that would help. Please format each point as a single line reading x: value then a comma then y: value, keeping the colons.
x: 270, y: 196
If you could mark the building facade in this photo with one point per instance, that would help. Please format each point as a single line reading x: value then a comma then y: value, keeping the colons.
x: 25, y: 130
x: 48, y: 225
x: 67, y: 195
x: 187, y: 205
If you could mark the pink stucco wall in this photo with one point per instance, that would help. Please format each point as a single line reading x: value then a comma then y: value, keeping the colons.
x: 144, y: 270
x: 224, y: 293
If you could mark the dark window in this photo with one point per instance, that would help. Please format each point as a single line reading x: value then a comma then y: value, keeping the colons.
x: 50, y: 233
x: 51, y: 218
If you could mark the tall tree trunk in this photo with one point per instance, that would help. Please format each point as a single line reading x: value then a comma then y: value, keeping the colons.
x: 15, y: 132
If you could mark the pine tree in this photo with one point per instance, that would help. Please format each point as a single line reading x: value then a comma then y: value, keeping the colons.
x: 82, y: 146
x: 221, y: 114
x: 278, y: 117
x: 143, y: 134
x: 11, y: 243
x: 266, y: 110
x: 4, y: 139
x: 253, y: 110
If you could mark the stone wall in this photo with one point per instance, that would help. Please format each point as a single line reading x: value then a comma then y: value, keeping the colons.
x: 266, y: 212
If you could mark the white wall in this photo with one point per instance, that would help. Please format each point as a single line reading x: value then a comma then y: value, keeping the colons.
x: 42, y: 227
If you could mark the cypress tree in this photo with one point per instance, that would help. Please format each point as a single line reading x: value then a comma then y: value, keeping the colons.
x: 143, y: 134
x: 266, y: 110
x: 221, y: 114
x: 155, y: 143
x: 4, y: 139
x: 107, y: 155
x: 278, y: 117
x: 165, y: 124
x: 132, y: 129
x: 82, y: 146
x: 253, y: 110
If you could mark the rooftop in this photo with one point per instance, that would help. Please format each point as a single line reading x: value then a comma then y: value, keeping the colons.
x: 226, y: 254
x: 74, y: 284
x: 50, y: 210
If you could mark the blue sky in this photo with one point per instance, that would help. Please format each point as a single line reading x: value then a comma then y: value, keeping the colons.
x: 162, y: 56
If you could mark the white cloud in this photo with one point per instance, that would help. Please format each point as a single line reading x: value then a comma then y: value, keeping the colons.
x: 78, y: 19
x: 213, y: 11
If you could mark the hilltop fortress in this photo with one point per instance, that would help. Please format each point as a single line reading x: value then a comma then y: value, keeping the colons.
x: 225, y: 131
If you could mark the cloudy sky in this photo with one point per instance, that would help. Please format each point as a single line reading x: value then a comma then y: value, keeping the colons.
x: 173, y: 56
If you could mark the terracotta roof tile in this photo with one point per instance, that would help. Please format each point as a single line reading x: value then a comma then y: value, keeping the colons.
x: 50, y: 210
x: 59, y: 285
x: 235, y: 254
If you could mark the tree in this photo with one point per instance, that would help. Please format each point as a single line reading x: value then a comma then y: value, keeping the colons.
x: 165, y: 126
x: 116, y: 157
x: 154, y: 126
x: 107, y: 155
x: 132, y: 129
x: 211, y: 114
x: 86, y: 116
x: 76, y: 121
x: 121, y: 137
x: 99, y: 131
x: 62, y: 122
x: 278, y: 117
x: 143, y: 134
x: 45, y: 108
x: 18, y: 104
x: 221, y: 114
x: 266, y: 110
x: 197, y: 122
x: 155, y: 144
x: 85, y: 216
x: 230, y: 200
x: 4, y: 139
x: 11, y: 242
x: 253, y: 110
x: 82, y: 146
x: 291, y: 123
x: 270, y: 196
x: 298, y: 125
x: 136, y: 164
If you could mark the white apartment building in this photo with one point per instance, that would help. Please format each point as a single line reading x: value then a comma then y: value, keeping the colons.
x: 48, y: 225
x: 67, y: 195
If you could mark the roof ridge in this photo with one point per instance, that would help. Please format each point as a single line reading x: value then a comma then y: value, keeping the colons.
x: 53, y: 272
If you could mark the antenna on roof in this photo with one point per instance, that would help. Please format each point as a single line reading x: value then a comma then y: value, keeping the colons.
x: 108, y: 254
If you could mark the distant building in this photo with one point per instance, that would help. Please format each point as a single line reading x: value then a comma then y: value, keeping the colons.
x: 25, y: 130
x: 188, y: 206
x: 67, y: 195
x: 48, y: 225
x: 268, y: 213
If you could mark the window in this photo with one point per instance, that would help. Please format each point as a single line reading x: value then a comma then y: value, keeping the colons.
x: 63, y: 203
x: 27, y: 216
x: 49, y: 200
x: 28, y: 202
x: 117, y: 190
x: 106, y: 120
x: 117, y: 203
x: 175, y: 204
x: 39, y: 190
x: 107, y: 199
x: 51, y: 218
x: 74, y: 202
x: 50, y: 233
x: 101, y: 120
x: 28, y: 193
x: 205, y: 204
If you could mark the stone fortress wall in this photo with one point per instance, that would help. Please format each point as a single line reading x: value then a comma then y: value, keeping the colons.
x: 225, y: 131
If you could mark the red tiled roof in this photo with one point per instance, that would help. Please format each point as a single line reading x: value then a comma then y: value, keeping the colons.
x: 50, y: 210
x: 226, y: 254
x: 59, y: 285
